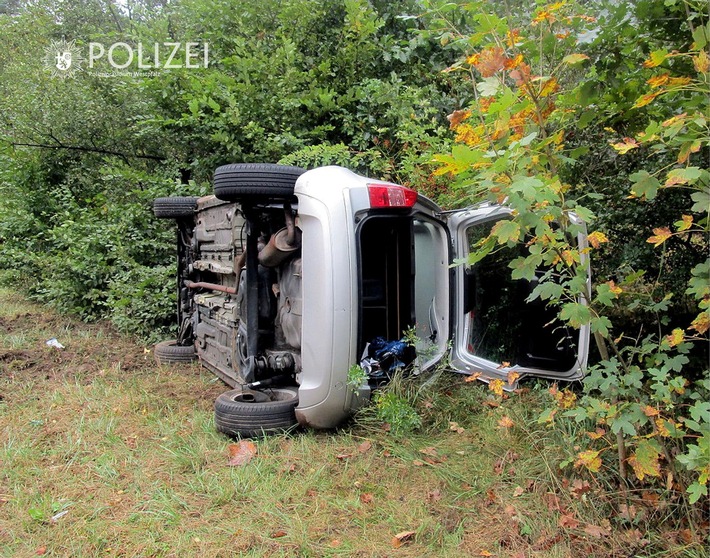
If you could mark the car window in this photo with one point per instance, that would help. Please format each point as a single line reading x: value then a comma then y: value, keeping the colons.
x: 501, y: 325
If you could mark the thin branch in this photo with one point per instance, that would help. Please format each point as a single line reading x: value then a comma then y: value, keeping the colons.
x: 89, y: 150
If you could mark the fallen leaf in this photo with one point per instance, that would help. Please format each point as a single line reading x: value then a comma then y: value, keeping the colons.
x: 434, y: 495
x: 568, y: 522
x: 473, y: 377
x: 418, y: 463
x: 431, y: 451
x: 241, y: 453
x: 485, y: 553
x: 365, y: 446
x: 454, y: 427
x: 552, y: 501
x: 506, y: 422
x: 41, y: 550
x: 402, y: 538
x: 596, y: 531
x: 519, y: 491
x: 335, y: 543
x: 366, y: 498
x: 343, y: 456
x: 580, y: 487
x: 512, y: 376
x: 491, y: 403
x: 278, y: 534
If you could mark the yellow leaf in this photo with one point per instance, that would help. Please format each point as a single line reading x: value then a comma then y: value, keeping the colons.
x: 650, y: 411
x: 660, y: 235
x: 574, y: 58
x: 598, y: 433
x: 662, y: 428
x: 473, y: 377
x: 506, y: 422
x: 702, y: 323
x: 625, y: 146
x: 657, y: 81
x: 679, y: 81
x: 496, y: 386
x: 702, y: 62
x: 512, y: 376
x: 673, y: 120
x: 685, y: 223
x: 676, y: 337
x: 645, y: 461
x: 614, y: 288
x: 590, y: 460
x: 646, y: 99
x: 597, y: 238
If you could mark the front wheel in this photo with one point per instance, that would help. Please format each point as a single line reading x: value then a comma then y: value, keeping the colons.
x: 248, y: 413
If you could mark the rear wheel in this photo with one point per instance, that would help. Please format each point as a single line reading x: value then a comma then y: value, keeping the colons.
x: 176, y: 207
x: 169, y: 352
x: 255, y: 181
x: 250, y: 413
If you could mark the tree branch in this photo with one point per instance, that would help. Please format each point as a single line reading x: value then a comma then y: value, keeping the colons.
x: 89, y: 150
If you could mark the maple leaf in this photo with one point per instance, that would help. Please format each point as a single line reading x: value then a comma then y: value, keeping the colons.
x: 402, y: 538
x: 626, y: 145
x: 512, y: 376
x: 496, y: 386
x: 646, y: 99
x: 702, y: 62
x: 657, y: 81
x: 473, y: 377
x: 590, y: 460
x: 506, y: 422
x: 490, y: 61
x: 660, y: 235
x: 365, y: 446
x: 702, y: 323
x: 676, y: 337
x: 597, y: 238
x: 366, y: 498
x: 453, y: 426
x: 650, y: 411
x: 241, y: 453
x: 597, y: 531
x: 686, y: 221
x: 646, y: 461
x: 568, y: 522
x: 456, y: 117
x: 598, y: 433
x: 575, y: 58
x: 580, y: 487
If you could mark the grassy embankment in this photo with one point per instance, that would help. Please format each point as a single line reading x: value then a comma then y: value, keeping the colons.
x: 104, y: 453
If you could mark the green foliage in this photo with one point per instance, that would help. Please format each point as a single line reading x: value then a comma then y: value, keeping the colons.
x: 302, y: 82
x: 542, y: 95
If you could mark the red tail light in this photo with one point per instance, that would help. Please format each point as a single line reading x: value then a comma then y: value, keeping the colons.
x: 389, y: 195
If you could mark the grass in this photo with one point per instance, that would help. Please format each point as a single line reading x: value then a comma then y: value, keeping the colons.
x: 104, y: 453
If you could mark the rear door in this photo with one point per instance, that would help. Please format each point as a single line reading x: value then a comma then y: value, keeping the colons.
x: 496, y: 330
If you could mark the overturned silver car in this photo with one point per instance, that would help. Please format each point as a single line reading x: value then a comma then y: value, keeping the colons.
x: 288, y: 278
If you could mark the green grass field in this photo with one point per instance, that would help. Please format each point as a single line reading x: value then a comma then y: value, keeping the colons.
x: 104, y: 453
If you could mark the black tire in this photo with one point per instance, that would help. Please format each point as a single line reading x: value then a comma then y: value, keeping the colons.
x: 169, y: 352
x: 255, y: 182
x: 175, y: 207
x: 249, y: 413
